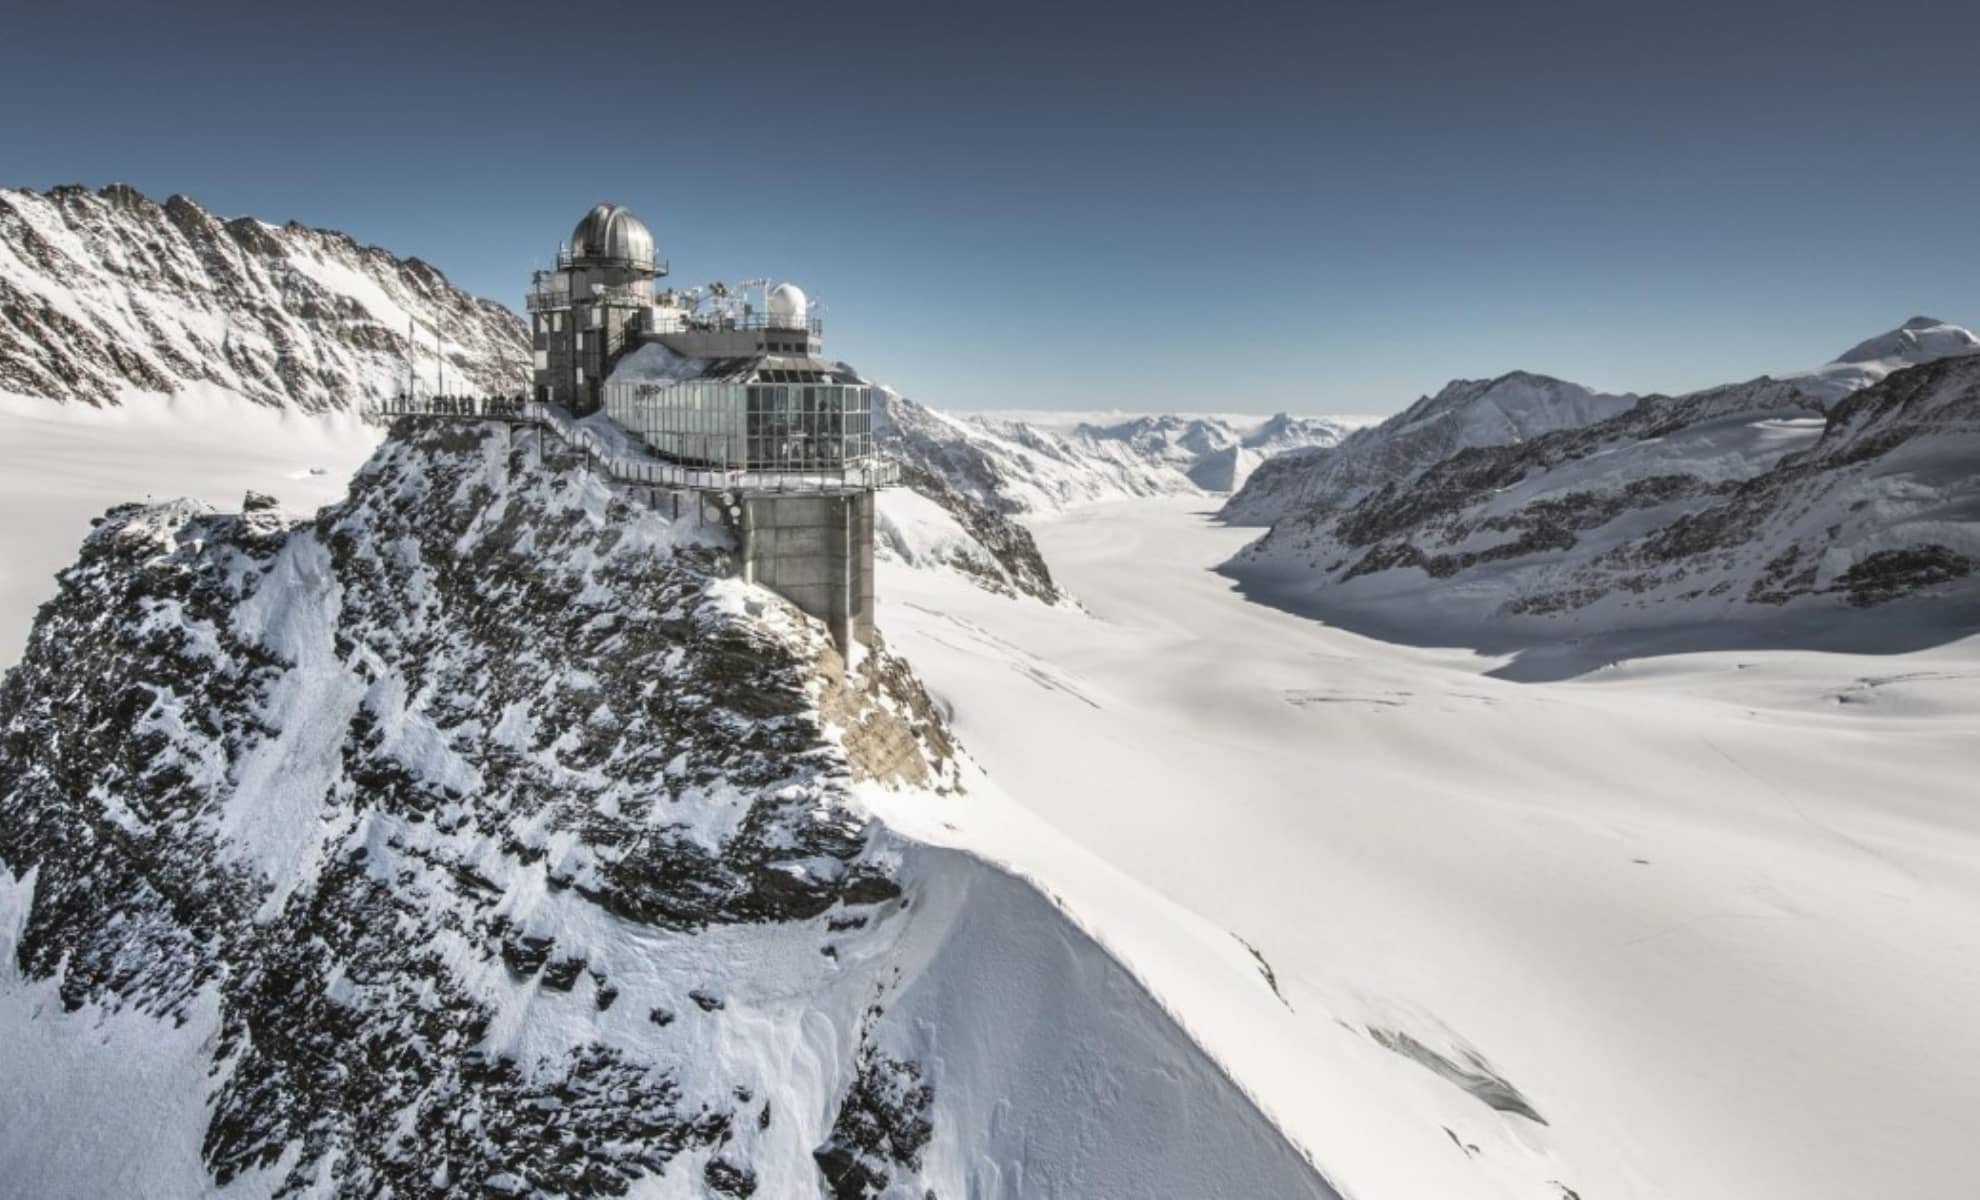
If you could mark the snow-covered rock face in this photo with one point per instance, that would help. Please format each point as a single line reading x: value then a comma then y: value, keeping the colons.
x: 481, y: 837
x: 1466, y: 413
x: 107, y: 294
x: 928, y: 525
x: 405, y: 786
x: 1919, y: 340
x: 1733, y: 503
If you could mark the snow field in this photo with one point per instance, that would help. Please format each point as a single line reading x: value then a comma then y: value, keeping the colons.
x: 1704, y: 913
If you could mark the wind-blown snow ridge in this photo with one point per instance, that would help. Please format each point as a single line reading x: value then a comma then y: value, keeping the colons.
x: 1914, y: 343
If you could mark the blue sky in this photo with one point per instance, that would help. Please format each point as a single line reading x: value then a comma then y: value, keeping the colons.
x: 1249, y: 207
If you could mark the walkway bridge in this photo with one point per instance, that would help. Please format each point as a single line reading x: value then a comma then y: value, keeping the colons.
x: 631, y: 468
x: 808, y: 536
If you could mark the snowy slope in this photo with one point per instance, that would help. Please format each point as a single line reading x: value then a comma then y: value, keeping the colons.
x: 108, y: 295
x: 1709, y: 917
x: 1466, y: 413
x: 476, y: 837
x: 1738, y: 504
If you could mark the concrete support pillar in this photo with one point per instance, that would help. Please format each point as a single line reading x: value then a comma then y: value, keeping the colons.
x: 815, y: 550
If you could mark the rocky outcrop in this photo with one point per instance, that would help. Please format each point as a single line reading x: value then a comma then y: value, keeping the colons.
x: 105, y: 295
x: 380, y: 785
x: 484, y: 836
x: 987, y: 546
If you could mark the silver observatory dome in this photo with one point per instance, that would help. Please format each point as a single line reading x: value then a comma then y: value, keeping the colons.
x: 610, y: 235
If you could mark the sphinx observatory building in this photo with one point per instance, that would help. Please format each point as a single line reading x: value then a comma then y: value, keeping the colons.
x: 724, y: 381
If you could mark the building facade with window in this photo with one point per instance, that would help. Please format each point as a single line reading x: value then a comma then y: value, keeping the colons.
x: 728, y: 382
x: 583, y: 311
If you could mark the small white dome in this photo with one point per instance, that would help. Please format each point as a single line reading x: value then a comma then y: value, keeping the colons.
x: 788, y: 306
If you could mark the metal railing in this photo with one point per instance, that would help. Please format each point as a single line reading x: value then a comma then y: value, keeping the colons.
x: 740, y: 322
x: 565, y: 260
x: 541, y: 299
x: 514, y: 409
x: 545, y: 299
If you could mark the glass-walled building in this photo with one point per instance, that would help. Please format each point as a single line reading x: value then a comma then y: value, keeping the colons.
x: 775, y: 420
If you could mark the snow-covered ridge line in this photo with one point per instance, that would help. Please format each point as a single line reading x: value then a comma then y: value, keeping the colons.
x: 1017, y: 466
x: 108, y: 294
x: 1916, y: 342
x: 1744, y: 504
x: 1466, y: 413
x: 1519, y: 405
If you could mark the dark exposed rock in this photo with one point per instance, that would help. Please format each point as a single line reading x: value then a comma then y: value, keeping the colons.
x: 526, y: 955
x: 562, y: 975
x: 882, y: 1124
x: 1890, y: 574
x: 727, y: 1179
x: 1474, y: 1075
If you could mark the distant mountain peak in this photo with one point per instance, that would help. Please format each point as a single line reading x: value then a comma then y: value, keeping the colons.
x: 1918, y: 340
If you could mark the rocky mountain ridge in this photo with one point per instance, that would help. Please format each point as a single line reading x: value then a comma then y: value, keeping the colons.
x: 107, y: 295
x: 1465, y: 413
x: 1753, y: 502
